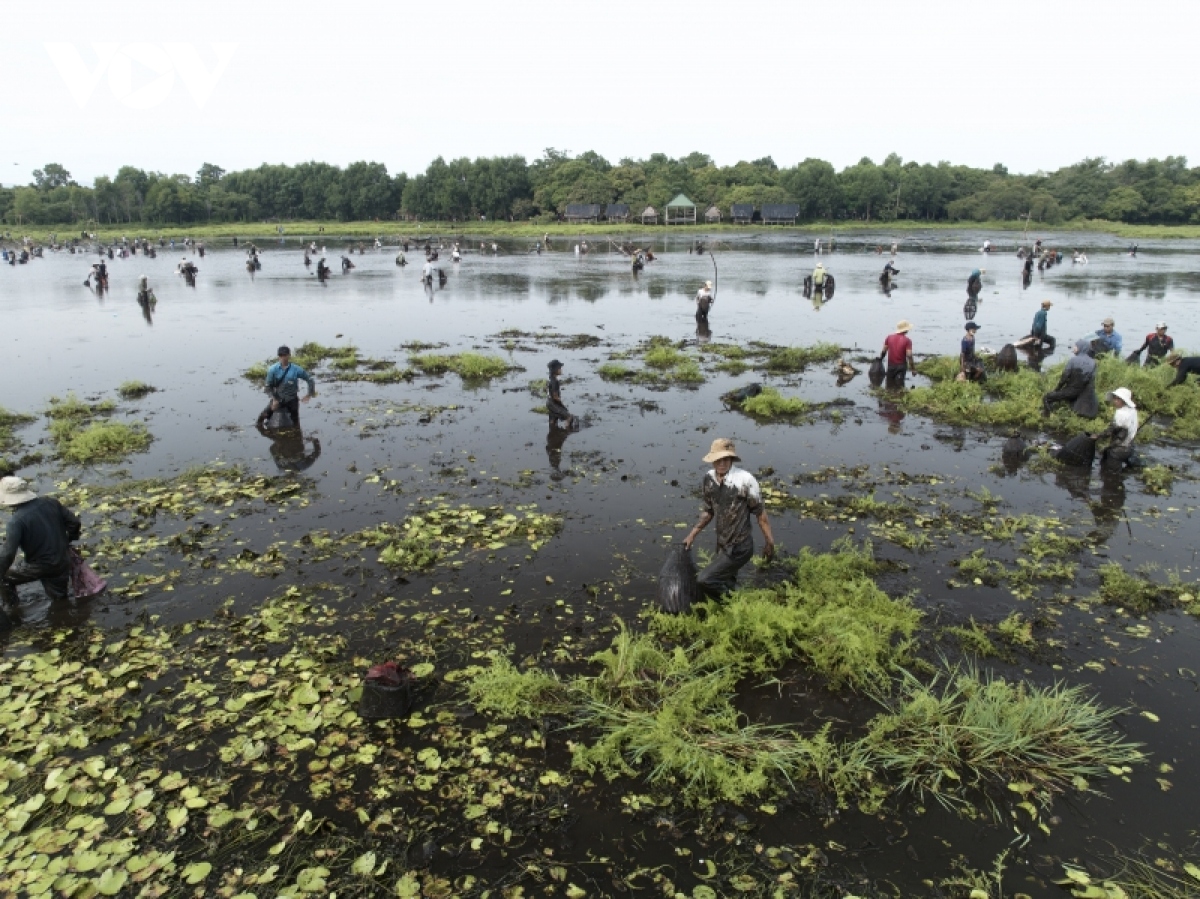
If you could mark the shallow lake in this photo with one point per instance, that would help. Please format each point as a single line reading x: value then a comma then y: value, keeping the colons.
x: 627, y: 481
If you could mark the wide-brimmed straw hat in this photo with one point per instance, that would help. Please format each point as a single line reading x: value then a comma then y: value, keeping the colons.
x: 14, y: 491
x: 903, y: 326
x: 722, y: 448
x: 1123, y: 394
x: 1047, y: 303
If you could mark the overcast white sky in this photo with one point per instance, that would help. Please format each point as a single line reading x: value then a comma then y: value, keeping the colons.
x: 1033, y: 85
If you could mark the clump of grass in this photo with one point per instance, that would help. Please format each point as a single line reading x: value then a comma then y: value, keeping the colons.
x: 468, y: 366
x: 770, y: 403
x: 106, y: 441
x: 663, y: 357
x: 1137, y: 592
x: 387, y: 374
x: 969, y: 733
x: 132, y: 390
x: 797, y: 358
x: 974, y: 639
x: 616, y: 371
x: 1016, y: 630
x: 1158, y: 479
x: 72, y: 408
x: 1143, y: 878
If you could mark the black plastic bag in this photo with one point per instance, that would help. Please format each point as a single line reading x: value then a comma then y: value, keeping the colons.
x: 677, y: 588
x: 1006, y: 359
x: 1079, y: 452
x: 1134, y: 358
x: 877, y: 372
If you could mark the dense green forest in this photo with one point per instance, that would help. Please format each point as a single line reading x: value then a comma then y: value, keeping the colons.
x: 1152, y: 192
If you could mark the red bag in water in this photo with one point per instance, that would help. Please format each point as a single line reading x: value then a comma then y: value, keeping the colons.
x: 84, y: 582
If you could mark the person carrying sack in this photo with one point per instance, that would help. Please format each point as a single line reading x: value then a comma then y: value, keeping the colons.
x: 42, y: 528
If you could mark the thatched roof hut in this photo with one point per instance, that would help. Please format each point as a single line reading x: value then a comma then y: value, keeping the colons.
x: 713, y: 215
x: 649, y: 216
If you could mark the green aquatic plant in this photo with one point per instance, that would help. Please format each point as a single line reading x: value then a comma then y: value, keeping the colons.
x: 663, y: 357
x: 1157, y: 479
x: 72, y: 408
x: 468, y: 366
x: 132, y: 390
x: 771, y: 404
x: 1138, y: 592
x: 969, y: 734
x: 100, y: 441
x: 974, y: 638
x: 798, y: 358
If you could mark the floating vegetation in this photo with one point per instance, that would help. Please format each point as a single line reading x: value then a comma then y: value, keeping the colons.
x: 1015, y: 399
x: 79, y: 438
x: 1140, y: 594
x: 1158, y: 479
x: 798, y: 358
x: 344, y: 362
x: 561, y: 341
x: 967, y: 734
x: 132, y: 390
x: 771, y: 404
x: 664, y: 365
x: 468, y: 366
x: 441, y: 530
x: 1136, y: 877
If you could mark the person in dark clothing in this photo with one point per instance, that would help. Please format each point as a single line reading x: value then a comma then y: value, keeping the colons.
x: 554, y: 401
x: 968, y: 362
x: 1184, y: 366
x: 1038, y: 332
x: 1077, y: 384
x: 1156, y: 345
x: 42, y: 528
x: 898, y: 348
x: 731, y: 496
x: 704, y: 300
x: 974, y: 283
x: 284, y: 388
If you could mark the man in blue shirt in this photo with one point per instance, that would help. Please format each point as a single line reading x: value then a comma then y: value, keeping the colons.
x: 1107, y: 340
x: 284, y: 388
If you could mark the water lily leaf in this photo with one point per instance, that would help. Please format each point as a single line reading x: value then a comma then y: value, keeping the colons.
x: 422, y: 669
x: 475, y: 810
x: 408, y: 887
x: 703, y: 892
x: 364, y: 864
x: 312, y: 880
x: 111, y: 882
x: 177, y: 816
x: 1074, y: 874
x: 305, y: 695
x: 88, y: 860
x: 117, y: 806
x: 196, y: 872
x: 1021, y: 787
x: 1150, y: 716
x: 574, y: 892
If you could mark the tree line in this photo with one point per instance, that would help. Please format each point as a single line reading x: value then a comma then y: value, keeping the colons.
x: 1155, y: 191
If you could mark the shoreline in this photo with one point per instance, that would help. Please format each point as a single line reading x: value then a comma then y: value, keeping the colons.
x: 295, y: 230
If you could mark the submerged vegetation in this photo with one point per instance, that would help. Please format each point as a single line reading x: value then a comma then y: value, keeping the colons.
x: 797, y: 358
x: 8, y: 422
x: 664, y: 362
x: 771, y: 404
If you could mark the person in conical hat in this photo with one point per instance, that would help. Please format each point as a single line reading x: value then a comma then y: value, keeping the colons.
x: 732, y: 497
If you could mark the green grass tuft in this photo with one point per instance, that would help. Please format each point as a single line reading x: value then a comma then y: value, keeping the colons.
x: 468, y: 366
x: 772, y: 404
x: 797, y: 358
x: 100, y: 441
x: 132, y: 390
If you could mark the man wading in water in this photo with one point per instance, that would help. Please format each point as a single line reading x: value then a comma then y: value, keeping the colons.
x: 283, y: 386
x: 731, y: 496
x: 704, y: 300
